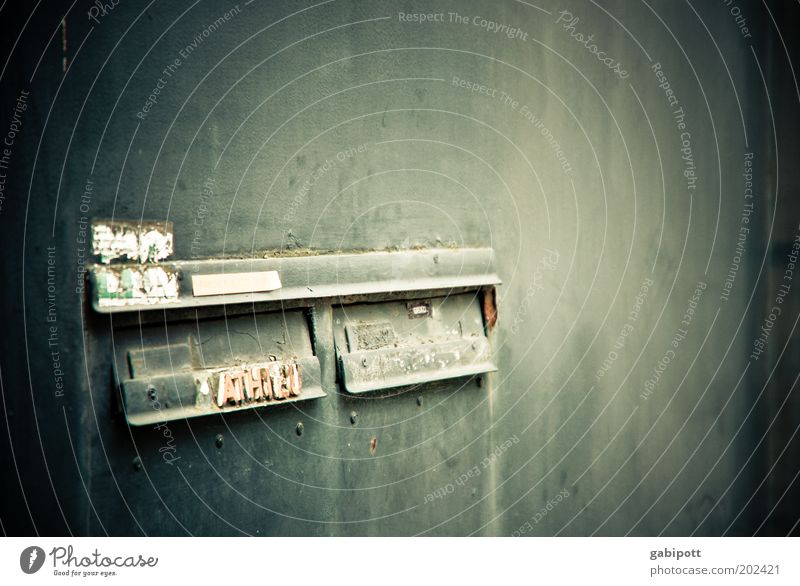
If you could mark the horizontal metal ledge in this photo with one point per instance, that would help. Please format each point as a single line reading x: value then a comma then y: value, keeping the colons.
x: 310, y: 277
x: 373, y: 370
x: 177, y: 396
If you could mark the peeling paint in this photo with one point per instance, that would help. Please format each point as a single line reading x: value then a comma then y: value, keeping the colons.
x: 249, y: 385
x: 139, y: 242
x: 119, y: 286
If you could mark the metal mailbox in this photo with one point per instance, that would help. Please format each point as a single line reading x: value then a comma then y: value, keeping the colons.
x: 400, y: 318
x: 399, y: 343
x: 215, y: 366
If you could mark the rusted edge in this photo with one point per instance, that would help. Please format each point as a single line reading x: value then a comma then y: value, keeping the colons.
x: 489, y: 308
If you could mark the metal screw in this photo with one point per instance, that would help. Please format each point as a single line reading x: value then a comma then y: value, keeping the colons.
x: 137, y: 463
x: 219, y: 440
x: 299, y: 428
x: 353, y: 417
x: 152, y: 394
x: 419, y: 400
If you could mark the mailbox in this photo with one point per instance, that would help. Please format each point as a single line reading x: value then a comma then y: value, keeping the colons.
x: 399, y: 343
x: 216, y: 365
x: 399, y: 318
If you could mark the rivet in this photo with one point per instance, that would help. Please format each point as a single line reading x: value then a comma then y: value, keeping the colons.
x: 364, y: 362
x: 219, y: 440
x: 152, y: 394
x: 299, y: 428
x: 137, y: 463
x: 353, y: 417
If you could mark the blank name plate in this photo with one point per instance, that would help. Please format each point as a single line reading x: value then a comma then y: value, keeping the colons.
x: 232, y: 283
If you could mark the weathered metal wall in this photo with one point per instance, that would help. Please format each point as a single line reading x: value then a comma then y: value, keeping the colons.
x: 621, y: 404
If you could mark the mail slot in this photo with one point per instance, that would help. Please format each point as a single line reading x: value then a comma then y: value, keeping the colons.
x: 215, y: 366
x: 400, y: 343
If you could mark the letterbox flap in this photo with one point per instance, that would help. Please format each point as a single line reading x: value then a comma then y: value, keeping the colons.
x: 394, y: 344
